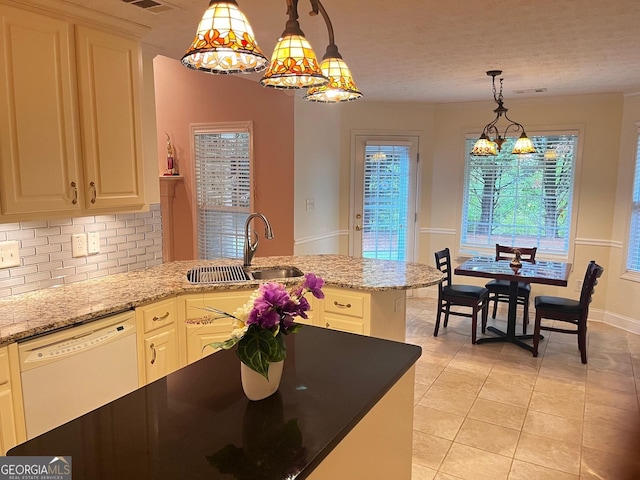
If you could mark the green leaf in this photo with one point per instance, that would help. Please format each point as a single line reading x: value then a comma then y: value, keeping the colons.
x: 258, y: 348
x: 226, y: 345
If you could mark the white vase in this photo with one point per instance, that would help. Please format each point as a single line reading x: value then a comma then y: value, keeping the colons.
x: 255, y: 386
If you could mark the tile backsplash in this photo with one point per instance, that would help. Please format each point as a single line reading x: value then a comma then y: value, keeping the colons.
x: 128, y: 241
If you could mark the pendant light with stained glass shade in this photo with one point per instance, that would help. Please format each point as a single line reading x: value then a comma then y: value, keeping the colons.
x: 224, y: 42
x: 486, y: 146
x: 293, y: 63
x: 341, y: 87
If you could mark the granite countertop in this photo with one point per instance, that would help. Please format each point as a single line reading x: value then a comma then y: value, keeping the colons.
x: 181, y: 426
x: 29, y: 314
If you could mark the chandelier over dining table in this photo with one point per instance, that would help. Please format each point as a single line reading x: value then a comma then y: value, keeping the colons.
x: 486, y: 145
x: 225, y: 44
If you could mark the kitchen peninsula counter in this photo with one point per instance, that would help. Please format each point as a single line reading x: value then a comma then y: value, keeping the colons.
x: 343, y: 410
x: 46, y: 310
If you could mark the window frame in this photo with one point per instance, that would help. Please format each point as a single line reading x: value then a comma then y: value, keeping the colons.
x: 578, y: 131
x: 215, y: 128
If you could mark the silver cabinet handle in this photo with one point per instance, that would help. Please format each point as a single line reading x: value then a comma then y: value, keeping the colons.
x: 153, y: 349
x: 94, y: 193
x: 160, y: 318
x: 75, y: 193
x: 341, y: 305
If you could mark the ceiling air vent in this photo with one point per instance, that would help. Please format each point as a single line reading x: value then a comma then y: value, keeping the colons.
x: 149, y: 5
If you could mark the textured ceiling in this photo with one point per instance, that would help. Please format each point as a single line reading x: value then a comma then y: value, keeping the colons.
x: 439, y: 51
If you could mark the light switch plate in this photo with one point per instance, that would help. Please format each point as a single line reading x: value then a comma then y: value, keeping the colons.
x: 9, y: 254
x: 79, y: 245
x: 93, y: 242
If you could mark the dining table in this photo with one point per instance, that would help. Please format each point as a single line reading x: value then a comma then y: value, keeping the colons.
x: 545, y: 272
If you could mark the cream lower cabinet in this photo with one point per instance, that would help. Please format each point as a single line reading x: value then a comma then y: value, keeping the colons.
x: 12, y: 425
x: 70, y: 132
x: 374, y: 313
x: 158, y: 347
x: 197, y: 337
x: 170, y: 337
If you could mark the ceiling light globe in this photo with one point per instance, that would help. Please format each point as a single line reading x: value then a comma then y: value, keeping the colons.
x: 523, y: 145
x: 341, y: 87
x: 484, y: 147
x: 224, y: 42
x: 293, y: 65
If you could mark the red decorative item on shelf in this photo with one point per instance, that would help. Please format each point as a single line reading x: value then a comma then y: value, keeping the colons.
x: 171, y: 167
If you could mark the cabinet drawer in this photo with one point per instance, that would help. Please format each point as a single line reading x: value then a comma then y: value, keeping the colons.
x: 225, y: 302
x: 4, y: 367
x: 158, y: 314
x: 343, y: 324
x: 344, y: 303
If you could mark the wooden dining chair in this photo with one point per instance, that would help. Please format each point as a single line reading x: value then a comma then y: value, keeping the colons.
x: 563, y: 309
x: 499, y: 289
x: 459, y: 295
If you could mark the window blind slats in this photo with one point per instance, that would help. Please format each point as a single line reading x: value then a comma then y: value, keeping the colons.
x: 633, y: 254
x: 523, y: 200
x: 386, y: 188
x: 223, y: 186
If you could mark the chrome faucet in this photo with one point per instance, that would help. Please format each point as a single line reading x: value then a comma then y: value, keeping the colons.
x: 250, y: 248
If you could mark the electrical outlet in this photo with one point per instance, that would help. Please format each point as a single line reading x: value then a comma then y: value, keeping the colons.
x: 398, y: 305
x: 93, y: 243
x: 311, y: 204
x: 79, y: 245
x: 9, y: 254
x: 578, y: 285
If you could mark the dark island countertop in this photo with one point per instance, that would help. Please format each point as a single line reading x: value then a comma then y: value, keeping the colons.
x: 196, y: 422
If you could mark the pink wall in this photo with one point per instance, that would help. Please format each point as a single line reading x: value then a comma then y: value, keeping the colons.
x: 185, y: 97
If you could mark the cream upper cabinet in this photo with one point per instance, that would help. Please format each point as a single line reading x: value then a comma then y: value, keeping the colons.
x: 70, y: 126
x: 39, y: 142
x: 109, y: 79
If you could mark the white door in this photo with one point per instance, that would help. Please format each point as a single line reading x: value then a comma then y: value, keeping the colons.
x: 385, y: 202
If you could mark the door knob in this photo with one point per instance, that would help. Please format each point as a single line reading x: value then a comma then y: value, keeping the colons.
x: 358, y: 228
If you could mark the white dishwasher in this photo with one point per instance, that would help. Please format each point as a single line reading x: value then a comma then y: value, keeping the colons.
x: 68, y: 373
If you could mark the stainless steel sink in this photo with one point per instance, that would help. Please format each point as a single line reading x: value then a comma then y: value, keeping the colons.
x: 217, y: 274
x: 236, y: 273
x: 269, y: 273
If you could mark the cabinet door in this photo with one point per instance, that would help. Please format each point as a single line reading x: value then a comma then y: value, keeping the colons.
x: 8, y: 436
x: 160, y: 354
x: 198, y: 336
x: 109, y: 79
x: 38, y: 119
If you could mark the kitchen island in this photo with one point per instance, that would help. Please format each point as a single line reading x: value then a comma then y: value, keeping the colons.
x: 34, y: 313
x: 343, y: 410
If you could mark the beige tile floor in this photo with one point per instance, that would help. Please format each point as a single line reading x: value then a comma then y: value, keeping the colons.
x: 494, y: 412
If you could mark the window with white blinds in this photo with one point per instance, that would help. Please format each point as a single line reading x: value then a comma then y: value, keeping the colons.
x: 386, y: 201
x: 521, y: 200
x: 633, y: 255
x: 223, y: 188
